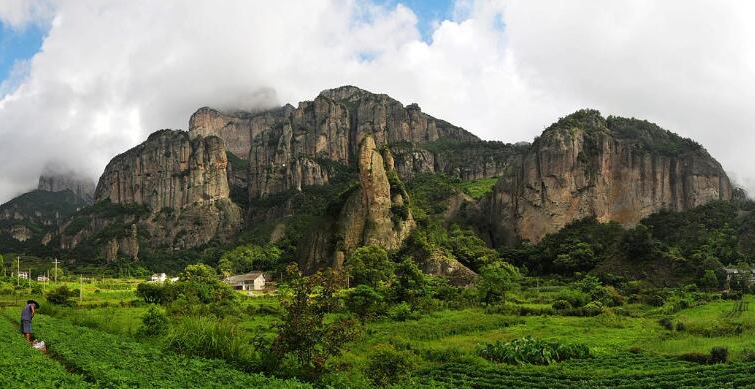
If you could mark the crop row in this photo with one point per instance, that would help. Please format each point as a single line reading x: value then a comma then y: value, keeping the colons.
x: 23, y: 366
x: 735, y: 375
x: 114, y: 362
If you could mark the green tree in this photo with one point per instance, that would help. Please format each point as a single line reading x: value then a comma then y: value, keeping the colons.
x: 497, y: 279
x: 365, y: 302
x: 370, y: 265
x: 411, y: 283
x: 246, y: 258
x: 303, y: 334
x: 469, y: 249
x: 580, y: 257
x: 199, y: 273
x: 709, y: 280
x: 638, y: 244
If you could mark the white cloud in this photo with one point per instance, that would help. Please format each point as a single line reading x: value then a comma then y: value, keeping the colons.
x: 111, y: 72
x: 18, y: 14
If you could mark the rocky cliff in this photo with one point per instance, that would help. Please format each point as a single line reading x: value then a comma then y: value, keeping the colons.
x: 169, y: 192
x: 53, y: 181
x: 614, y: 169
x: 374, y: 212
x: 288, y: 148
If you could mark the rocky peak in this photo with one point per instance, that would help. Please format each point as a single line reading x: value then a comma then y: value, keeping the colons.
x: 168, y: 170
x: 614, y: 169
x: 53, y: 180
x: 376, y: 213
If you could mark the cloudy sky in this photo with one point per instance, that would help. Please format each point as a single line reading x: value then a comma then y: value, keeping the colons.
x: 81, y: 81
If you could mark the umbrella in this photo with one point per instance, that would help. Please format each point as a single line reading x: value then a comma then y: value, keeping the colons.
x: 36, y: 304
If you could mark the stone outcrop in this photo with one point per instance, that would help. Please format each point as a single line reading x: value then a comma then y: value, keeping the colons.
x: 615, y: 170
x: 376, y: 212
x: 32, y: 216
x: 80, y: 185
x: 181, y: 184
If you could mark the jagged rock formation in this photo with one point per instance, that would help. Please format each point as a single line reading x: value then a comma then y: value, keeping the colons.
x: 172, y: 189
x: 616, y: 169
x: 375, y: 212
x: 288, y: 147
x: 53, y: 181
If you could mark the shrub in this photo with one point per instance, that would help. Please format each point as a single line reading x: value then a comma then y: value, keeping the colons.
x: 656, y: 301
x: 560, y: 305
x: 731, y: 295
x: 666, y: 323
x: 574, y: 297
x: 62, y: 296
x: 403, y: 312
x: 680, y: 326
x: 694, y: 357
x: 387, y: 365
x: 748, y: 355
x: 719, y: 355
x: 154, y: 323
x: 365, y: 302
x: 528, y: 350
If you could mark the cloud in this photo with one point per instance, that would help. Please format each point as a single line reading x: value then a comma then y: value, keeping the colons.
x: 111, y: 72
x: 18, y: 14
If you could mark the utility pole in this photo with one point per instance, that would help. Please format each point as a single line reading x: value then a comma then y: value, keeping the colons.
x: 30, y: 280
x: 18, y: 271
x: 56, y: 270
x: 81, y: 290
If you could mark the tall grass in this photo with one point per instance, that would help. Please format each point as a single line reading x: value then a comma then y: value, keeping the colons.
x: 211, y: 338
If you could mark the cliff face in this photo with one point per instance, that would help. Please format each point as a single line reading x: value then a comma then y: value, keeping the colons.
x: 616, y: 170
x: 168, y: 170
x: 171, y: 189
x: 58, y: 182
x: 374, y: 213
x: 295, y: 150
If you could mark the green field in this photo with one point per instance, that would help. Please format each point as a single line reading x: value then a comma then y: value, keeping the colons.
x: 97, y: 342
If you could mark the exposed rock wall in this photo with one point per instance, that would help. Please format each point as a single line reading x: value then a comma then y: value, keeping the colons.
x: 375, y: 213
x: 184, y: 185
x: 617, y: 170
x: 168, y: 170
x: 58, y: 182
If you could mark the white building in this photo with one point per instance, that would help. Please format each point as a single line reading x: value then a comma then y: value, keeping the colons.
x: 247, y: 282
x: 42, y: 279
x: 159, y: 277
x: 23, y: 275
x: 731, y: 272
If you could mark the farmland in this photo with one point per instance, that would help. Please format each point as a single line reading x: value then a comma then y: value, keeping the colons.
x: 98, y: 342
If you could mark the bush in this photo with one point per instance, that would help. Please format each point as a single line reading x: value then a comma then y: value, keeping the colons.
x: 574, y: 297
x: 62, y: 296
x: 154, y: 323
x: 748, y: 355
x: 403, y: 312
x: 387, y: 365
x: 365, y: 302
x: 528, y: 350
x: 680, y: 326
x: 561, y: 305
x: 666, y: 323
x: 731, y: 295
x: 694, y: 357
x: 656, y: 301
x: 719, y: 355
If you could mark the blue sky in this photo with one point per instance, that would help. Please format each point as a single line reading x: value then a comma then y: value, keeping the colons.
x: 18, y: 45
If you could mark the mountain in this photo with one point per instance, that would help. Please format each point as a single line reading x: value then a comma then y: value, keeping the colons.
x: 170, y: 193
x: 28, y: 222
x: 353, y: 168
x: 614, y: 169
x: 53, y: 181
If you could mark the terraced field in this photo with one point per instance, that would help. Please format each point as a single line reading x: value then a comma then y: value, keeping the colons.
x: 110, y: 361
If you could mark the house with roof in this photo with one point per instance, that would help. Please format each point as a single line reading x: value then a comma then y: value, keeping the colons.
x: 254, y: 281
x: 732, y: 272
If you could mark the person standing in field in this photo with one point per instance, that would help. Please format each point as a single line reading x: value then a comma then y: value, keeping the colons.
x: 30, y: 309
